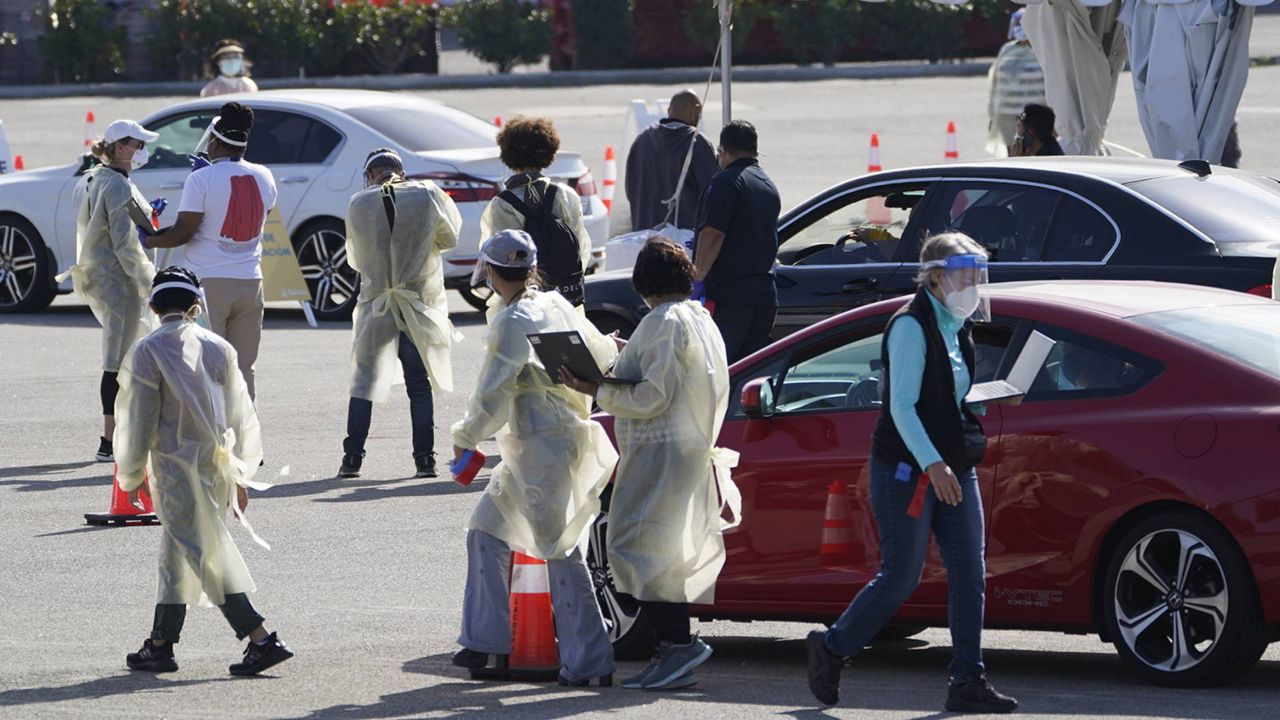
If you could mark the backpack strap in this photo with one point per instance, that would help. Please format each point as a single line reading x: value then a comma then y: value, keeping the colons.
x: 515, y: 202
x: 389, y: 205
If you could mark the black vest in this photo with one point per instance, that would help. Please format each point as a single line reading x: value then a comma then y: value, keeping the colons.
x: 956, y: 435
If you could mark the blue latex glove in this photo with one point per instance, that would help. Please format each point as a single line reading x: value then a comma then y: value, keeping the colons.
x: 159, y: 205
x: 699, y: 291
x: 198, y: 162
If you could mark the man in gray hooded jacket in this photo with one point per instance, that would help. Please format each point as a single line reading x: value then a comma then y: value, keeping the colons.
x: 656, y: 158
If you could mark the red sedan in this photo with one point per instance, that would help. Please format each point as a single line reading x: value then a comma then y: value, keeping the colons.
x: 1132, y: 494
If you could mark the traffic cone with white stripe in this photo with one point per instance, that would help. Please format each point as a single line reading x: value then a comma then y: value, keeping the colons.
x: 534, y: 656
x: 123, y: 512
x: 90, y: 130
x: 952, y: 153
x: 877, y: 213
x: 836, y: 551
x: 610, y: 178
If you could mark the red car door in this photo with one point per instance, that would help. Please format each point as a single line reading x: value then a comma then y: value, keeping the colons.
x: 812, y: 455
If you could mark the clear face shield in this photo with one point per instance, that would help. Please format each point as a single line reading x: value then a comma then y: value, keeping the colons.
x: 202, y: 147
x: 964, y: 286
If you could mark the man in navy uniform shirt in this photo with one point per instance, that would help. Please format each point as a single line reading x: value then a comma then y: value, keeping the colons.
x: 738, y: 243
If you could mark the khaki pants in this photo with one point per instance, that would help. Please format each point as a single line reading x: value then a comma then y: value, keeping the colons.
x: 235, y: 313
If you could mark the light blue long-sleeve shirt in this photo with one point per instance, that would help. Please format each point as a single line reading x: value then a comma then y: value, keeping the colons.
x: 907, y: 359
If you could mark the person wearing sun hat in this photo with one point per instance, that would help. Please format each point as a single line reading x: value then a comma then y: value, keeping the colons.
x: 232, y: 70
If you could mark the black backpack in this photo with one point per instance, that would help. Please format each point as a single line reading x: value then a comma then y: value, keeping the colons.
x: 558, y: 258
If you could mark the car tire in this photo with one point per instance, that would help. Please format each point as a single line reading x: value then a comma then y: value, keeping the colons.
x: 26, y: 268
x: 630, y: 629
x: 477, y: 297
x: 607, y: 322
x: 1180, y: 602
x: 321, y: 247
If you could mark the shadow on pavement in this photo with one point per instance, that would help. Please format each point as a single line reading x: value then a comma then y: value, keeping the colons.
x: 417, y: 487
x: 50, y: 469
x: 125, y: 684
x: 317, y: 487
x: 54, y: 316
x: 901, y: 677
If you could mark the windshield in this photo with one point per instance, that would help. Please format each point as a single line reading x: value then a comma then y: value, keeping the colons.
x: 427, y: 128
x: 1247, y: 333
x: 1241, y: 213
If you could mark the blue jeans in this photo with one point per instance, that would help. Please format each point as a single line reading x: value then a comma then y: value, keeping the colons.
x: 417, y: 385
x: 903, y: 542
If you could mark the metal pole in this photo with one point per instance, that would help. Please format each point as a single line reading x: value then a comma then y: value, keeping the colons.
x: 726, y: 63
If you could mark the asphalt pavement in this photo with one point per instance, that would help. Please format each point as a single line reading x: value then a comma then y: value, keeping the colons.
x: 364, y: 579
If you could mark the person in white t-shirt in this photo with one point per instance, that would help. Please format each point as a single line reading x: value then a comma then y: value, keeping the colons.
x: 220, y: 221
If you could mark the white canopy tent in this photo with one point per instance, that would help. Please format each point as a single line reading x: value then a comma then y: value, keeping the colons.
x: 1190, y: 61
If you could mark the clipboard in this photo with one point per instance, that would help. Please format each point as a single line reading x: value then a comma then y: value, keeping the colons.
x: 140, y: 216
x: 568, y: 350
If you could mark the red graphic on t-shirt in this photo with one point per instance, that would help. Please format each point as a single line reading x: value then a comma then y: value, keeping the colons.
x: 245, y: 212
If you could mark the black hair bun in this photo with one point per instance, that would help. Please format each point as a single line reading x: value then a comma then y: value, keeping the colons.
x: 235, y: 118
x: 173, y: 273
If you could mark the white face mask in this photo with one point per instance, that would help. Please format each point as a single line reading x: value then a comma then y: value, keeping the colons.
x: 231, y: 67
x: 140, y: 158
x: 962, y: 303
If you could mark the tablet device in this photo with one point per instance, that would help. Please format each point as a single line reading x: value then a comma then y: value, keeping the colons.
x: 568, y: 350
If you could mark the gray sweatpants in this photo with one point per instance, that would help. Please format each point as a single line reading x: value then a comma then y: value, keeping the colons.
x: 585, y: 650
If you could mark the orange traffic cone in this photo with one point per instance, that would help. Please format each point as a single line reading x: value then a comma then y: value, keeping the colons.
x: 837, y: 530
x: 534, y: 656
x: 877, y: 213
x: 610, y: 178
x: 90, y: 130
x: 18, y: 164
x: 122, y: 511
x: 952, y: 148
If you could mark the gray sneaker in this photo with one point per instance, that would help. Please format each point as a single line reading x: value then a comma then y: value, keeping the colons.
x: 635, y: 682
x: 675, y: 661
x: 684, y: 681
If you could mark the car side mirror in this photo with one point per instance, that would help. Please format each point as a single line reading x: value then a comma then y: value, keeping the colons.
x: 757, y: 399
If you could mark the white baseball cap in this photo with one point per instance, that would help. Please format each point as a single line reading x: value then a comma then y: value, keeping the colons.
x: 121, y: 129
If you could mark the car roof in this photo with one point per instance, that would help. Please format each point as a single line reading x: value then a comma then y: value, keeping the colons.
x: 340, y: 100
x: 1123, y: 171
x: 1114, y: 298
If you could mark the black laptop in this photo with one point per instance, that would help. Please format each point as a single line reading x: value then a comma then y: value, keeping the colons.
x: 567, y: 349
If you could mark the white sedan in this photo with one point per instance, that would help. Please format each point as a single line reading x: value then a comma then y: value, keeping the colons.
x: 315, y: 142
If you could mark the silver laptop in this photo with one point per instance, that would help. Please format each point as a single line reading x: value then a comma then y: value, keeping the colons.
x: 1025, y: 369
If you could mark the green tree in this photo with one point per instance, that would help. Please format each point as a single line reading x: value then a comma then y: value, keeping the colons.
x: 390, y: 34
x: 603, y: 34
x: 818, y: 30
x: 82, y: 42
x: 505, y: 33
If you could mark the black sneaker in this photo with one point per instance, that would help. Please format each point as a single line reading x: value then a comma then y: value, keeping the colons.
x: 977, y: 696
x: 471, y: 659
x: 824, y: 669
x: 260, y: 657
x: 426, y: 465
x: 350, y: 466
x: 105, y: 452
x: 152, y: 658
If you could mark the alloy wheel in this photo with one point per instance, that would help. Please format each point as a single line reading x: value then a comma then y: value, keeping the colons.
x: 18, y: 267
x: 619, y: 611
x: 1171, y: 600
x: 322, y: 257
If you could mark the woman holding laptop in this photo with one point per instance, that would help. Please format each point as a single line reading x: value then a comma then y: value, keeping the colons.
x: 926, y: 428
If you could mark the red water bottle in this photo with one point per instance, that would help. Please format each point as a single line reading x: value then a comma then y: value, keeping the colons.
x: 464, y: 469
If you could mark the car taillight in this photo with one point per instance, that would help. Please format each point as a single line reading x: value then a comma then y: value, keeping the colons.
x: 1261, y: 290
x: 462, y: 188
x: 586, y: 185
